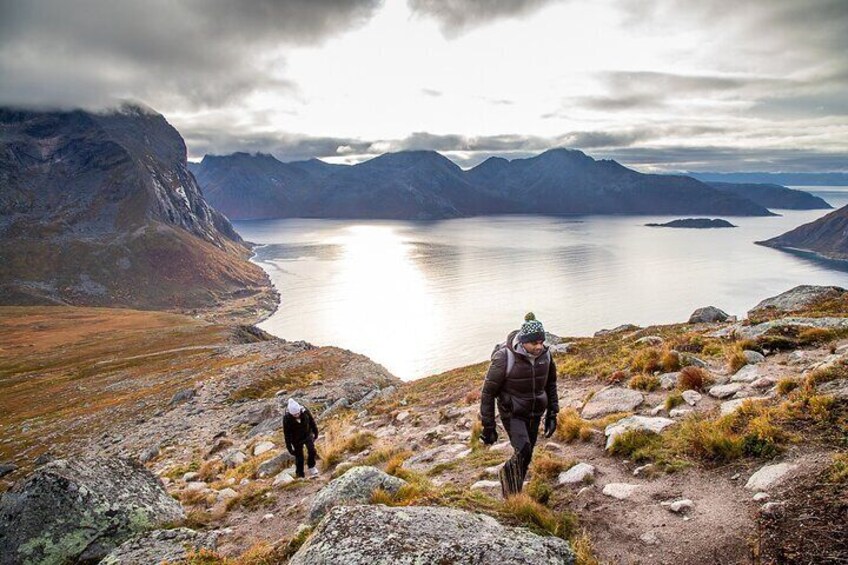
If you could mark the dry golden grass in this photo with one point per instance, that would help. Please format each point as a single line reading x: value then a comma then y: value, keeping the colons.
x: 584, y: 549
x: 646, y: 361
x: 673, y: 400
x: 693, y: 378
x: 338, y: 440
x: 838, y: 472
x: 735, y: 357
x: 786, y: 385
x: 670, y: 361
x: 644, y: 382
x: 523, y: 509
x: 549, y: 466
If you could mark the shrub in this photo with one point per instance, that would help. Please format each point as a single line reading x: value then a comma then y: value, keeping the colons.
x: 584, y: 551
x: 673, y: 400
x: 476, y: 430
x: 646, y: 360
x: 839, y: 468
x: 549, y: 466
x: 522, y: 508
x: 570, y: 425
x: 670, y: 361
x: 709, y: 440
x: 336, y: 444
x: 735, y: 357
x: 693, y: 378
x: 539, y: 490
x: 786, y: 385
x: 646, y: 383
x: 617, y: 377
x: 637, y: 445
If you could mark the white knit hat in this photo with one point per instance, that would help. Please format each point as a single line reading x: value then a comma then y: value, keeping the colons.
x: 294, y: 408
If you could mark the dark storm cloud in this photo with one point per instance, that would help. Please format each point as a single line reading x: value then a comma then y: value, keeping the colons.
x: 166, y: 52
x: 458, y: 16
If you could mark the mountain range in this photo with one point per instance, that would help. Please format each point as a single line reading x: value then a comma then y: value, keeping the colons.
x: 424, y: 185
x: 100, y: 209
x: 792, y: 179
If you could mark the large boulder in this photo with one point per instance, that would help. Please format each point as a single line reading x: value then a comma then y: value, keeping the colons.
x: 795, y: 299
x: 610, y: 400
x: 381, y: 535
x: 161, y: 546
x: 76, y: 511
x: 708, y: 314
x: 355, y: 486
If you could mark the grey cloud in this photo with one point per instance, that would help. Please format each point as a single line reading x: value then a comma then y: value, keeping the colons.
x: 458, y: 16
x: 165, y: 52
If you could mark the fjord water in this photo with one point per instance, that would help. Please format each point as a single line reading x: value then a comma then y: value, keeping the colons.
x: 425, y: 297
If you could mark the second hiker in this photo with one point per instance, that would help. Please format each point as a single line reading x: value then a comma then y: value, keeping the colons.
x: 522, y: 380
x: 300, y: 430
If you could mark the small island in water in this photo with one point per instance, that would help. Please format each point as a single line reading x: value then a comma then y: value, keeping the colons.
x: 700, y: 223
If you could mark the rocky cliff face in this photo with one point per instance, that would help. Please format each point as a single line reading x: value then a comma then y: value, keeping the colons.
x: 426, y: 185
x: 101, y: 209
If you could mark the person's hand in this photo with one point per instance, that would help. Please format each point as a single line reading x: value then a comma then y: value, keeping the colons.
x: 489, y: 435
x: 550, y: 425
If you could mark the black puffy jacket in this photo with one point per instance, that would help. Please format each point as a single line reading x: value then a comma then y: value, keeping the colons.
x: 528, y: 391
x: 299, y: 432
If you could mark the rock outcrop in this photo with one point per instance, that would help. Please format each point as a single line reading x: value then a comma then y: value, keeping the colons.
x: 355, y: 486
x: 161, y: 546
x: 78, y: 510
x: 380, y: 535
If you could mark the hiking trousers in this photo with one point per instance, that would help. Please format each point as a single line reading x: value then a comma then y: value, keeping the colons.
x: 522, y: 433
x: 298, y: 456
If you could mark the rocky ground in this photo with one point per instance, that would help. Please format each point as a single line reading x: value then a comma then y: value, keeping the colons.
x: 714, y: 441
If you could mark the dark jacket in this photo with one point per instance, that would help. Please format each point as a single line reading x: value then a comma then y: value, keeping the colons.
x: 298, y: 433
x: 528, y: 391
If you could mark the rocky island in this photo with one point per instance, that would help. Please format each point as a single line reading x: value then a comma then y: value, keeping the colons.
x: 697, y: 223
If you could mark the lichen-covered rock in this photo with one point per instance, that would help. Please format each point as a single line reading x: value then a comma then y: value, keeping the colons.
x: 161, y: 546
x: 355, y: 486
x: 275, y: 465
x: 708, y: 314
x: 796, y: 299
x: 381, y: 535
x: 78, y: 510
x: 610, y: 400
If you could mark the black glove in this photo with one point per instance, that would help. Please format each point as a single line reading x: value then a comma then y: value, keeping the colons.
x: 489, y: 435
x: 550, y: 424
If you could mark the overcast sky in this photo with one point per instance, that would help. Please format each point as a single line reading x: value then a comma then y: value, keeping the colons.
x: 756, y: 85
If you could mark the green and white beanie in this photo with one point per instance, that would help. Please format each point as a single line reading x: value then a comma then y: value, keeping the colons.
x: 531, y: 329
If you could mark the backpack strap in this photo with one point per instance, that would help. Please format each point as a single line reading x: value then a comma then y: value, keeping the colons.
x: 510, y: 360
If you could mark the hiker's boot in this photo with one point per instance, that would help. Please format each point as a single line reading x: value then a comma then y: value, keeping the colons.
x: 510, y: 477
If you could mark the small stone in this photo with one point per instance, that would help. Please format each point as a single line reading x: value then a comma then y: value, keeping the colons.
x: 725, y: 391
x: 753, y: 357
x: 554, y: 447
x: 621, y: 491
x: 761, y: 496
x: 763, y: 382
x: 283, y: 479
x: 226, y: 494
x: 668, y: 381
x: 649, y: 340
x: 267, y: 517
x: 7, y: 468
x: 657, y: 410
x: 772, y: 509
x: 402, y: 416
x: 692, y: 397
x: 263, y: 447
x: 190, y: 476
x: 642, y: 469
x: 678, y: 506
x: 731, y: 406
x: 576, y: 474
x: 769, y: 476
x: 196, y: 485
x: 747, y: 374
x: 485, y: 485
x: 677, y: 412
x: 649, y: 538
x: 234, y: 459
x: 148, y: 454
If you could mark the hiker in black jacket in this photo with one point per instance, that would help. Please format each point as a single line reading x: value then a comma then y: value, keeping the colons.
x: 299, y: 429
x: 522, y: 380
